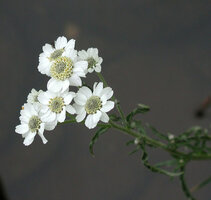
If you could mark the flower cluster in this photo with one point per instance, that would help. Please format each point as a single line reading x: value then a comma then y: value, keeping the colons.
x: 65, y: 67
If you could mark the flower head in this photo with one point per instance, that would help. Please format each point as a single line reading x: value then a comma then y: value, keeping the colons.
x: 32, y: 124
x: 32, y: 97
x: 55, y: 105
x: 91, y: 56
x: 94, y: 104
x: 62, y: 65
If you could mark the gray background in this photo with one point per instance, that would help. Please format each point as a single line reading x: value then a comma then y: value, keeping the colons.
x: 155, y: 52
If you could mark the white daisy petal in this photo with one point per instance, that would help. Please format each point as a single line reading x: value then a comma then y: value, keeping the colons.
x: 90, y: 122
x: 104, y: 117
x: 47, y: 48
x: 70, y: 44
x: 61, y: 116
x: 29, y: 138
x: 80, y: 99
x: 81, y: 64
x: 108, y: 106
x: 43, y: 98
x: 98, y: 89
x: 80, y: 117
x: 61, y: 42
x: 85, y: 91
x: 70, y: 109
x: 96, y: 116
x: 65, y: 85
x: 98, y: 68
x: 50, y: 125
x: 68, y: 98
x: 75, y: 81
x: 78, y: 108
x: 22, y: 128
x: 54, y: 85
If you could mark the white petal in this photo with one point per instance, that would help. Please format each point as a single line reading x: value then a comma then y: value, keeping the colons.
x: 79, y: 109
x: 81, y: 64
x: 83, y: 55
x: 98, y: 89
x: 54, y: 85
x: 107, y: 93
x: 70, y: 44
x: 70, y: 109
x: 29, y: 138
x: 68, y: 98
x: 44, y: 68
x: 75, y: 80
x: 49, y: 116
x: 90, y: 122
x: 22, y: 128
x: 43, y: 98
x: 85, y: 91
x: 90, y: 70
x: 65, y: 85
x: 47, y: 49
x: 44, y: 140
x: 50, y: 125
x: 96, y: 116
x: 104, y: 117
x: 108, y: 106
x: 80, y: 99
x: 98, y: 68
x: 61, y: 42
x: 80, y: 117
x: 61, y: 116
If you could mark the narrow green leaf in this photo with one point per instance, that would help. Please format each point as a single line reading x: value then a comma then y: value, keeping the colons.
x: 202, y: 184
x: 167, y: 163
x: 157, y: 133
x: 95, y: 138
x: 114, y: 118
x: 153, y: 168
x: 140, y: 109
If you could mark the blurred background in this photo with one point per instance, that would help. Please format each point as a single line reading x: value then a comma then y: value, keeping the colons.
x: 155, y: 52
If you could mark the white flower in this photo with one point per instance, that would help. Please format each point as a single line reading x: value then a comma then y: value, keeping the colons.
x: 91, y: 56
x: 55, y: 105
x: 50, y: 53
x: 62, y: 65
x: 32, y: 124
x: 32, y: 97
x: 95, y: 104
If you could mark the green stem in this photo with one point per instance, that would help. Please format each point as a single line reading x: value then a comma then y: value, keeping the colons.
x: 184, y: 185
x: 100, y: 76
x: 159, y: 144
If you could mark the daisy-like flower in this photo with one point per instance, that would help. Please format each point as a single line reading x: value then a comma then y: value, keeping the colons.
x: 55, y: 105
x: 94, y: 104
x: 91, y: 56
x: 32, y: 124
x: 32, y: 97
x: 62, y: 65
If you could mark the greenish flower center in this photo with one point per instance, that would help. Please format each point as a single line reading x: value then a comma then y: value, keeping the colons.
x: 36, y: 98
x: 93, y: 104
x: 56, y: 104
x: 62, y: 68
x: 34, y: 124
x: 56, y: 54
x: 91, y: 62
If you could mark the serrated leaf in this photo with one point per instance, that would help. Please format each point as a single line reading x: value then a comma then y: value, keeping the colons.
x: 95, y: 138
x: 140, y: 109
